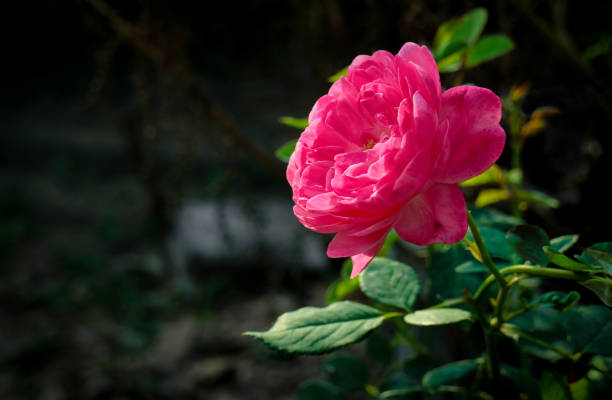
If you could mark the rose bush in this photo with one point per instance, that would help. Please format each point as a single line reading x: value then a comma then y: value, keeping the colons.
x: 385, y: 148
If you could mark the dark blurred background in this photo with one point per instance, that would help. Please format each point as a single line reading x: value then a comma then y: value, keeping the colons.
x: 145, y: 222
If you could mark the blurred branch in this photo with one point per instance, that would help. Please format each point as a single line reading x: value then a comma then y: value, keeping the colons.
x: 136, y: 36
x: 556, y: 33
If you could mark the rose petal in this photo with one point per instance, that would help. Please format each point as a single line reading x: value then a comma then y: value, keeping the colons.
x: 346, y: 245
x: 438, y: 215
x: 361, y: 261
x: 475, y: 139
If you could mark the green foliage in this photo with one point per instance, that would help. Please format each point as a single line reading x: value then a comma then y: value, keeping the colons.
x: 488, y: 48
x: 338, y: 75
x: 554, y: 387
x: 284, y: 152
x: 558, y: 300
x: 563, y: 243
x: 390, y: 282
x: 318, y: 390
x: 437, y: 316
x: 378, y: 348
x: 298, y: 123
x: 449, y: 373
x: 598, y: 255
x: 346, y: 371
x: 313, y: 330
x: 527, y: 241
x: 456, y: 45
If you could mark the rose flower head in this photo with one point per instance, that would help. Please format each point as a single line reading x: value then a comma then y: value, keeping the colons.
x: 385, y: 148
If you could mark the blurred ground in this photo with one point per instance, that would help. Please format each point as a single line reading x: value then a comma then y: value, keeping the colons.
x: 109, y: 138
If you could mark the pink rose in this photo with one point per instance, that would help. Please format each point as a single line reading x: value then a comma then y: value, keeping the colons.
x: 385, y: 148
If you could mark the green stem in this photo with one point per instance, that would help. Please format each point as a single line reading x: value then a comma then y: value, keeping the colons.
x: 486, y: 258
x: 538, y: 271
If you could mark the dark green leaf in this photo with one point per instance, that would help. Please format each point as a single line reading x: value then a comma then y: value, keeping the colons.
x: 314, y: 330
x: 554, y: 387
x: 496, y: 243
x: 346, y: 371
x: 318, y: 390
x: 599, y: 254
x: 564, y: 261
x: 527, y: 241
x: 560, y: 301
x: 563, y: 243
x: 390, y: 282
x: 471, y: 267
x: 589, y: 329
x: 522, y: 379
x: 378, y: 348
x: 285, y: 151
x: 488, y: 48
x: 298, y: 123
x: 544, y: 324
x: 602, y: 289
x: 445, y: 283
x: 437, y: 316
x: 449, y: 373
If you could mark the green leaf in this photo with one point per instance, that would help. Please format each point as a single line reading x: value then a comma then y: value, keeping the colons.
x: 390, y: 282
x: 398, y: 393
x: 599, y: 254
x: 527, y: 241
x: 490, y: 196
x: 452, y: 63
x: 495, y: 219
x: 285, y: 151
x: 554, y: 387
x: 496, y: 243
x: 448, y: 373
x: 488, y: 48
x: 448, y: 49
x: 560, y: 301
x: 318, y: 390
x: 437, y: 316
x: 492, y: 175
x: 522, y: 379
x: 471, y: 267
x: 589, y: 329
x: 298, y: 123
x: 445, y: 283
x: 314, y: 330
x: 580, y: 389
x: 465, y: 29
x: 338, y: 75
x: 536, y: 197
x: 563, y: 243
x: 378, y: 348
x: 346, y: 371
x: 544, y: 324
x: 602, y: 289
x: 564, y: 261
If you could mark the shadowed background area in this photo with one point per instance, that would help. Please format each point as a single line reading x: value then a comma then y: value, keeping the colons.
x: 145, y: 222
